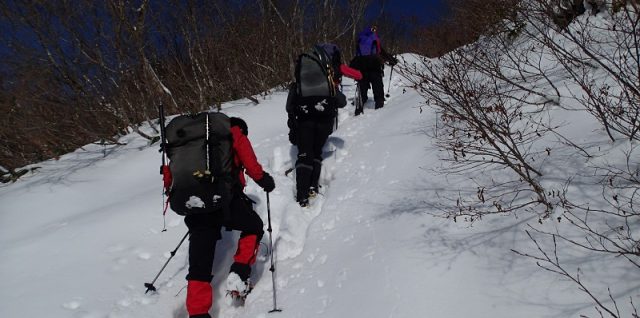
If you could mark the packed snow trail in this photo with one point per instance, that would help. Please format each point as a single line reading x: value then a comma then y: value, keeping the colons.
x: 83, y: 234
x: 292, y: 224
x: 359, y: 242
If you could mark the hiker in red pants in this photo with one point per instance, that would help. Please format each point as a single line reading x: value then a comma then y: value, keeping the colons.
x: 205, y: 230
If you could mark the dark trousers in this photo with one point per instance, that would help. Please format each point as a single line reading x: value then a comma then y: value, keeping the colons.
x: 205, y: 232
x: 312, y: 135
x: 373, y: 79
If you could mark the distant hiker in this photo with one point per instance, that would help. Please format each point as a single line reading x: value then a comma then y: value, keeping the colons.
x: 312, y: 106
x: 225, y: 135
x: 370, y: 58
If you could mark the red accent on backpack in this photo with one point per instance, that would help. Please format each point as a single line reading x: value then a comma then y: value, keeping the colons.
x: 350, y: 72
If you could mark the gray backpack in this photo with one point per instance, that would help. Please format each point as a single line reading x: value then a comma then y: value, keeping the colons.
x: 314, y: 74
x: 200, y: 150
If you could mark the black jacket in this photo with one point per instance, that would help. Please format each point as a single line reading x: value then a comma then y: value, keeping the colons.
x: 314, y: 107
x: 311, y: 108
x: 373, y: 63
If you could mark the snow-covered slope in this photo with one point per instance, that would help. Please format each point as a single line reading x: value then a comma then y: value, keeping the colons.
x: 83, y: 234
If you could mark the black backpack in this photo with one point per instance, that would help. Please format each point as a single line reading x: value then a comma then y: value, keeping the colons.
x: 200, y: 150
x: 335, y: 56
x: 314, y: 74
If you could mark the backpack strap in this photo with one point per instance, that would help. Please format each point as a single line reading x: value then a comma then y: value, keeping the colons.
x: 206, y: 136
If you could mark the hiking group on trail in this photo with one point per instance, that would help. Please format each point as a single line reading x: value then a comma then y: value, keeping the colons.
x: 209, y: 154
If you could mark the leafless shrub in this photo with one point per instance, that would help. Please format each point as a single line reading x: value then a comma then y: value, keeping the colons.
x: 495, y: 99
x: 609, y: 47
x: 492, y: 116
x: 598, y: 56
x: 549, y: 259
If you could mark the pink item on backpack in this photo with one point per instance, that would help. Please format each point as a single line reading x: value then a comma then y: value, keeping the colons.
x: 350, y: 72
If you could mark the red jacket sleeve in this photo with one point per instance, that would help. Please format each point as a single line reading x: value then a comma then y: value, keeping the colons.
x: 244, y: 157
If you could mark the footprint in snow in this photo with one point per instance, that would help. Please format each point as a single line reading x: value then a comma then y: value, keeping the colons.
x: 329, y: 225
x: 72, y: 305
x: 144, y: 256
x: 116, y: 248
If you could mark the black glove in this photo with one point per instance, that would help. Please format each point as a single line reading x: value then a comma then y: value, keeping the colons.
x: 266, y: 183
x: 340, y: 100
x: 392, y: 61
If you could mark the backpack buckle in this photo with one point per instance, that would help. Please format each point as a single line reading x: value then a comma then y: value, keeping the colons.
x: 203, y: 175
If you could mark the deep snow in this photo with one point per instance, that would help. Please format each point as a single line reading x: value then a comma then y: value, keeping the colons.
x: 82, y: 234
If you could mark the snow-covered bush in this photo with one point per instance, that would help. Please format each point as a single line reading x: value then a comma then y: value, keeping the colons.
x: 507, y: 101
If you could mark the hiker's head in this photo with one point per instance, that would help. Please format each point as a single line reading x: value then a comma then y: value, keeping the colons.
x: 238, y: 122
x: 374, y: 28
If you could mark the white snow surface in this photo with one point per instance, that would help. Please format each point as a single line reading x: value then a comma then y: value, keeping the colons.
x: 81, y: 235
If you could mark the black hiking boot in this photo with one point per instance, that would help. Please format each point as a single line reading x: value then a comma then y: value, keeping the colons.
x: 303, y: 203
x: 313, y: 192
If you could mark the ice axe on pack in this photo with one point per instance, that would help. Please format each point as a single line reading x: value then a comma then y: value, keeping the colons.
x: 164, y: 167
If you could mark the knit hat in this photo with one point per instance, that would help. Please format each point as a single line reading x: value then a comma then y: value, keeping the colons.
x: 238, y: 122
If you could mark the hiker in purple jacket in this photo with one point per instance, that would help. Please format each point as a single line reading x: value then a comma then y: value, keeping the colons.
x: 370, y: 58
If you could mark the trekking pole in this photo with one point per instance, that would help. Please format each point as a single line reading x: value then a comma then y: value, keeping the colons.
x: 341, y: 90
x: 357, y: 101
x: 150, y: 286
x: 389, y: 85
x: 273, y: 267
x: 163, y: 136
x: 164, y: 168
